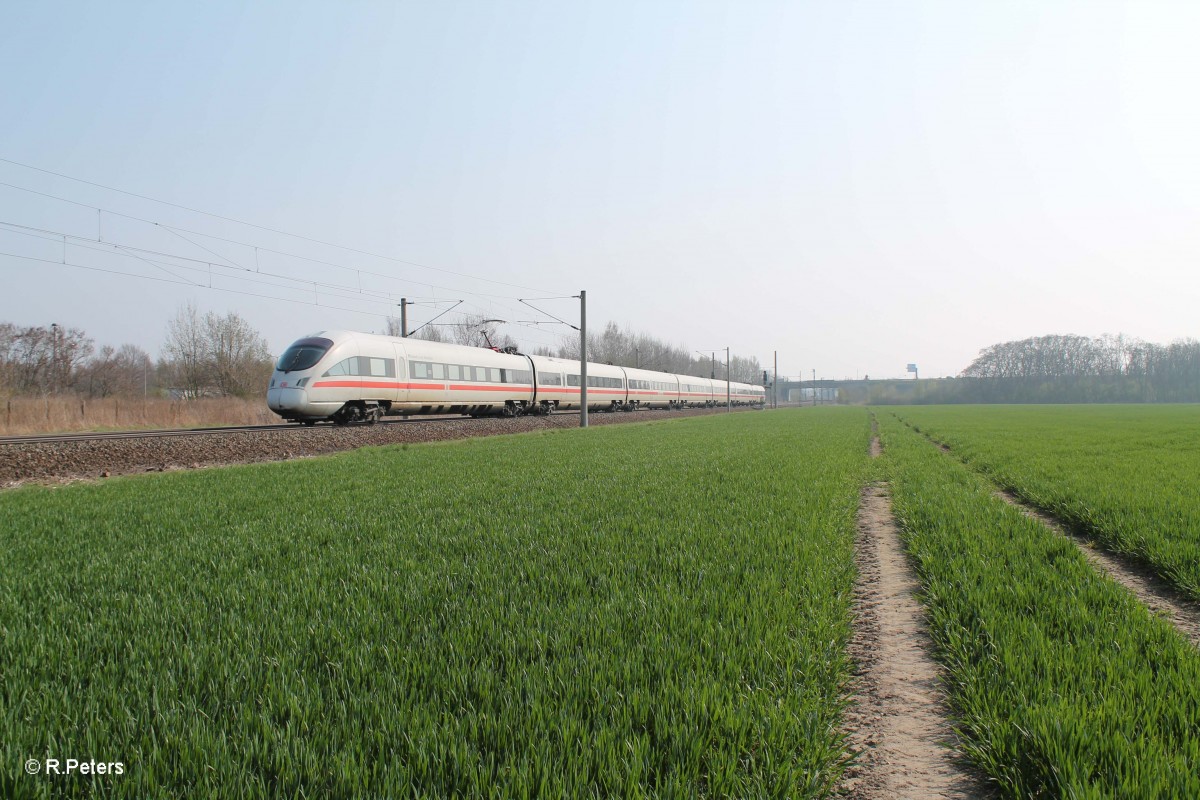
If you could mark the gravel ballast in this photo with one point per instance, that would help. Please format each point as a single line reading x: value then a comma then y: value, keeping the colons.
x: 51, y: 462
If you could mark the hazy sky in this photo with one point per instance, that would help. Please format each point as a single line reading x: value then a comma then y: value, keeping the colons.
x: 856, y: 185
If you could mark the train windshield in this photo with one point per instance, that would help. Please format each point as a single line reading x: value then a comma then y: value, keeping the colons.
x: 304, y: 354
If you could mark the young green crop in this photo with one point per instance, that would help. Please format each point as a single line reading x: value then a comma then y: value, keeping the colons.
x: 643, y: 610
x: 1063, y: 684
x: 1125, y: 474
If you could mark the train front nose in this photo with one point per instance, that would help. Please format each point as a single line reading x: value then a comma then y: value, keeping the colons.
x: 286, y: 401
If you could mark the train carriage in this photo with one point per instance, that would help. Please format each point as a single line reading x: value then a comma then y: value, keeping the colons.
x: 695, y: 391
x: 453, y: 379
x: 558, y: 383
x: 649, y: 389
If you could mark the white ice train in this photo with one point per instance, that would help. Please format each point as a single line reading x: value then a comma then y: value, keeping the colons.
x: 343, y: 376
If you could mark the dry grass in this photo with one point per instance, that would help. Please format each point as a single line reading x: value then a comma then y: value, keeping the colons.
x: 31, y: 415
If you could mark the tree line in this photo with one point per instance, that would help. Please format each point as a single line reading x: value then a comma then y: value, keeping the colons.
x: 1055, y: 369
x: 203, y: 355
x: 1069, y: 368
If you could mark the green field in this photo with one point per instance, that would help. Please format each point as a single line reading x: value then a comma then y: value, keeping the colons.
x: 1126, y: 475
x: 645, y: 610
x: 637, y: 610
x: 1063, y: 684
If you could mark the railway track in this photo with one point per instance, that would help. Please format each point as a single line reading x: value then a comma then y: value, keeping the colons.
x: 72, y: 456
x: 90, y: 436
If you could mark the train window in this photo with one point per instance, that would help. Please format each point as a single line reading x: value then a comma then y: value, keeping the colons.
x: 341, y: 368
x: 572, y: 380
x: 418, y: 369
x: 382, y: 368
x: 551, y: 379
x: 304, y: 354
x: 439, y: 371
x: 493, y: 375
x: 454, y: 372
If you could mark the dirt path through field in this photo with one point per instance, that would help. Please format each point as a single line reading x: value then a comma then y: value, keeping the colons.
x: 1155, y: 593
x: 898, y: 723
x: 1151, y: 590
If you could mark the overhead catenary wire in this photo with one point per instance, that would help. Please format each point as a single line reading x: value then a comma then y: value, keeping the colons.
x: 176, y: 229
x: 386, y: 297
x: 206, y: 267
x: 208, y: 264
x: 182, y: 281
x: 209, y: 269
x: 253, y: 225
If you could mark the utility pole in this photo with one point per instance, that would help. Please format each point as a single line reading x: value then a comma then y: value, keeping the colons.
x: 54, y: 358
x: 583, y: 376
x: 583, y: 422
x: 775, y: 383
x: 404, y: 317
x: 814, y: 387
x: 728, y: 402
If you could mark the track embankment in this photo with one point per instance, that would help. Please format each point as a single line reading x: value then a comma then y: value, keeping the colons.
x: 898, y: 722
x: 82, y: 458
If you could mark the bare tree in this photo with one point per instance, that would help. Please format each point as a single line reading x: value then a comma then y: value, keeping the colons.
x: 40, y: 359
x: 125, y: 371
x: 187, y: 351
x: 239, y: 361
x: 215, y: 353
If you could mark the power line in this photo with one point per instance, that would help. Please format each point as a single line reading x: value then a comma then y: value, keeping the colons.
x: 177, y: 280
x: 210, y: 265
x: 206, y: 267
x: 176, y: 230
x: 259, y: 227
x: 130, y: 250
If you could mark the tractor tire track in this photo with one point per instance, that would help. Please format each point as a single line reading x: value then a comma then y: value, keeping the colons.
x: 898, y: 724
x: 1151, y: 590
